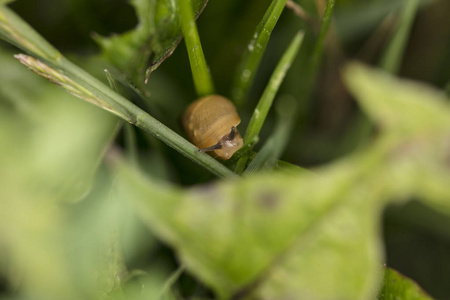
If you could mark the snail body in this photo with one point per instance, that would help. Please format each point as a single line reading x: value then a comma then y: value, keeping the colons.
x: 210, y: 123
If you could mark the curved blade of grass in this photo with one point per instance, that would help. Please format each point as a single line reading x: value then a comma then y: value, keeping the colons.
x: 266, y: 100
x: 200, y: 72
x: 318, y: 48
x: 312, y: 68
x: 81, y: 84
x: 268, y: 155
x: 254, y: 52
x: 392, y: 57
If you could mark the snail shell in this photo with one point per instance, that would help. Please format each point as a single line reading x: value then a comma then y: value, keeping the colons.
x: 210, y: 123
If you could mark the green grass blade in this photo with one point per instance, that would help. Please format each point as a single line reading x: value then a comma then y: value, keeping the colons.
x: 312, y: 68
x: 268, y: 155
x: 81, y: 84
x: 131, y: 144
x: 318, y: 48
x: 266, y: 100
x: 200, y: 72
x: 392, y: 57
x: 22, y: 35
x: 254, y: 52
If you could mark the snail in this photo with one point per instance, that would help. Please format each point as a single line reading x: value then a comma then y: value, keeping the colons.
x: 210, y: 123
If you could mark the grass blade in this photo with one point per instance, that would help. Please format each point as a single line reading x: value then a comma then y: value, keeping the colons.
x: 392, y: 58
x: 81, y: 84
x: 200, y: 72
x: 268, y: 155
x: 264, y: 104
x: 254, y: 52
x: 312, y: 68
x: 266, y: 100
x: 318, y: 48
x: 20, y: 34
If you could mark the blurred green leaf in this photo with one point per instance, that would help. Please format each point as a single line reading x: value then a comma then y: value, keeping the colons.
x: 236, y: 234
x: 397, y: 286
x: 414, y: 119
x: 281, y: 235
x: 51, y: 147
x: 156, y: 36
x: 51, y: 142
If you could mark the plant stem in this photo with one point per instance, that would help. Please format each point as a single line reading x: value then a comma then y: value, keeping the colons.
x: 273, y: 148
x: 200, y: 72
x: 254, y: 52
x: 266, y: 100
x: 392, y: 57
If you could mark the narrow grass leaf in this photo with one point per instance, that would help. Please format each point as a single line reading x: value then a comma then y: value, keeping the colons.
x: 266, y: 100
x: 318, y: 48
x: 268, y: 155
x: 392, y: 57
x: 254, y: 52
x: 20, y: 34
x: 75, y: 80
x: 200, y: 72
x: 131, y: 144
x: 111, y: 81
x: 312, y: 68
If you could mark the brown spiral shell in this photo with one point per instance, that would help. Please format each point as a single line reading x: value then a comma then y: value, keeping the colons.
x: 210, y: 123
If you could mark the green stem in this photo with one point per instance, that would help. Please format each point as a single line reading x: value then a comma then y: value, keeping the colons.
x: 265, y: 103
x: 200, y: 72
x: 131, y: 144
x: 254, y: 52
x: 275, y: 145
x: 392, y: 57
x: 320, y: 43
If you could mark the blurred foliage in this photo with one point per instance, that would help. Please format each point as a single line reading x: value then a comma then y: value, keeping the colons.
x: 87, y: 214
x: 397, y: 286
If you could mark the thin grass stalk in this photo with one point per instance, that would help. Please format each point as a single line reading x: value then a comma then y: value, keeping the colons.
x: 393, y: 56
x: 200, y: 73
x: 266, y: 100
x: 254, y: 52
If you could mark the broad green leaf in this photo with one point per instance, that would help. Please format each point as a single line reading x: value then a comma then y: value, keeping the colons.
x: 236, y: 234
x: 415, y: 118
x: 51, y: 147
x: 50, y: 141
x: 156, y: 36
x: 397, y: 286
x: 314, y: 235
